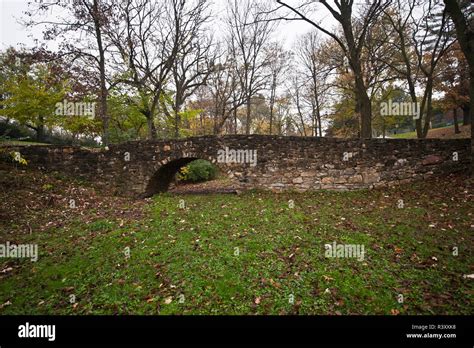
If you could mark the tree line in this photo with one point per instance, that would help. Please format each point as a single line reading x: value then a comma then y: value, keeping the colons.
x: 177, y: 68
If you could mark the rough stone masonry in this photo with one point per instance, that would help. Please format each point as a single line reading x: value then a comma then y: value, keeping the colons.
x: 143, y: 168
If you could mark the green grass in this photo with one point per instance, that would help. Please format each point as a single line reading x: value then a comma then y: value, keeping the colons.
x: 407, y: 135
x: 252, y: 254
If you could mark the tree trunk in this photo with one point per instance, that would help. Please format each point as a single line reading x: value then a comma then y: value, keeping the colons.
x: 177, y: 122
x: 429, y: 111
x: 178, y: 105
x: 465, y: 36
x: 419, y: 129
x: 40, y: 130
x: 235, y: 120
x: 455, y: 118
x: 151, y: 125
x: 365, y: 109
x: 215, y: 128
x: 423, y: 127
x: 363, y: 103
x: 103, y: 87
x: 247, y: 119
x: 104, y: 111
x: 318, y: 116
x: 200, y: 122
x: 272, y: 102
x: 466, y: 118
x: 271, y: 118
x: 314, y: 127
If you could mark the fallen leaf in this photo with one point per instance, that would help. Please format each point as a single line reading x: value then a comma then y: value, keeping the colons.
x: 274, y: 283
x: 8, y: 303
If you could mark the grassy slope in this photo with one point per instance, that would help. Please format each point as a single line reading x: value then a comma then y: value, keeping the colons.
x: 192, y: 251
x: 443, y: 132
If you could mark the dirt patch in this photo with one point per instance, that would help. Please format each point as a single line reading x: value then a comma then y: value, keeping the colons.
x: 448, y: 133
x: 208, y: 187
x: 33, y: 201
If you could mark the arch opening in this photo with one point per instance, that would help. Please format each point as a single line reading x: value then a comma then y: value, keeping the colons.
x: 161, y: 180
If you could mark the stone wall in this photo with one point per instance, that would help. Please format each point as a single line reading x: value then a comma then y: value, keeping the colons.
x: 312, y: 164
x: 283, y: 163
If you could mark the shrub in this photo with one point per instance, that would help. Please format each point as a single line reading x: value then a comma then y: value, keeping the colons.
x: 198, y: 170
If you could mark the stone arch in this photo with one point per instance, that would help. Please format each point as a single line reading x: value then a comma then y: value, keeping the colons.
x: 161, y: 179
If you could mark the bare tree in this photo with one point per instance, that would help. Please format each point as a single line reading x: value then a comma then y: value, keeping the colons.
x: 295, y: 92
x: 195, y: 59
x: 420, y: 44
x: 153, y: 42
x: 278, y: 65
x: 351, y: 42
x: 247, y: 38
x: 315, y: 71
x: 225, y: 91
x: 144, y: 53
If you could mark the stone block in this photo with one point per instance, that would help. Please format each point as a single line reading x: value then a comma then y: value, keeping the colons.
x: 327, y: 180
x: 355, y: 179
x: 370, y: 178
x: 340, y: 180
x: 308, y: 174
x: 431, y: 160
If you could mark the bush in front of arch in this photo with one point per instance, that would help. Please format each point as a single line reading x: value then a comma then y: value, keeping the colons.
x: 198, y: 170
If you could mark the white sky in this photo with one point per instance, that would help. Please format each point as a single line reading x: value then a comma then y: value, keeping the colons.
x: 13, y: 34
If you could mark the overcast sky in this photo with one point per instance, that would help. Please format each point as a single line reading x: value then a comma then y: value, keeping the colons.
x: 13, y: 34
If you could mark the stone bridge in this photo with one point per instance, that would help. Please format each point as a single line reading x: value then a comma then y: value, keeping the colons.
x: 143, y: 168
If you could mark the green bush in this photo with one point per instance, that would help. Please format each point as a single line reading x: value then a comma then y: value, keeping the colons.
x: 198, y: 170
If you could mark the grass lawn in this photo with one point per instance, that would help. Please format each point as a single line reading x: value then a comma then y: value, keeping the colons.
x: 407, y: 135
x: 238, y: 254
